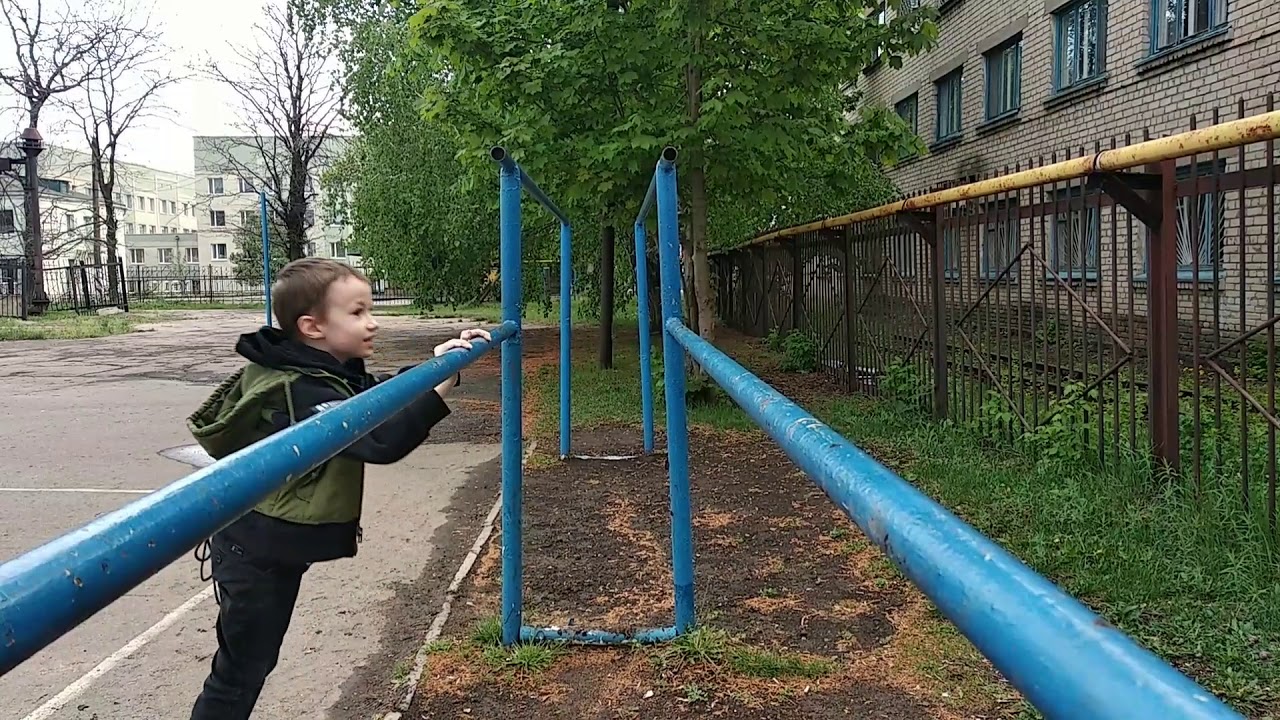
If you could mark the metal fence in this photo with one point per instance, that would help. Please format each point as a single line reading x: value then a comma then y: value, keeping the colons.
x: 1093, y: 316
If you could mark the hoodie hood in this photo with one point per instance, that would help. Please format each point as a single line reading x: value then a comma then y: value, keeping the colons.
x: 271, y: 348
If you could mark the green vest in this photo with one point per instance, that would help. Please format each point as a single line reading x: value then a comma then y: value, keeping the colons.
x: 238, y: 414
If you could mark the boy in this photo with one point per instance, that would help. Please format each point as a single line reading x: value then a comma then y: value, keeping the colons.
x: 316, y: 360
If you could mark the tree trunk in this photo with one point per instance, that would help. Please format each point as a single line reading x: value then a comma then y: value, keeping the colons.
x: 700, y: 301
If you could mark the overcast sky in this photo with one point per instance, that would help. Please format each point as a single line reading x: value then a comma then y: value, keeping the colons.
x: 194, y: 30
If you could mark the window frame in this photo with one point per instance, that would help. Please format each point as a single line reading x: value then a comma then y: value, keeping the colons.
x: 221, y: 188
x: 213, y: 218
x: 188, y: 258
x: 998, y: 215
x: 1060, y: 16
x: 213, y: 251
x: 1090, y: 211
x: 1000, y: 55
x: 953, y: 80
x: 137, y: 256
x: 1218, y: 18
x: 914, y: 99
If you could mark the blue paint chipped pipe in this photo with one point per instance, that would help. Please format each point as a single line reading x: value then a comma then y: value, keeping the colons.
x: 1066, y: 660
x: 47, y: 591
x: 646, y: 362
x: 508, y: 164
x: 509, y: 181
x: 597, y: 637
x: 674, y: 386
x: 566, y: 329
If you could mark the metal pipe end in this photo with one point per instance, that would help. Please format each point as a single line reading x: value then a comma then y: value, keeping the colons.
x: 669, y: 154
x: 498, y: 153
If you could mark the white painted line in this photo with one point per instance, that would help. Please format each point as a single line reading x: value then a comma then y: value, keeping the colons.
x: 77, y: 688
x: 107, y: 491
x: 451, y: 594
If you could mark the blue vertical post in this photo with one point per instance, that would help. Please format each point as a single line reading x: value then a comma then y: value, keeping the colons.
x: 646, y: 365
x: 266, y: 252
x: 566, y: 323
x: 512, y: 435
x: 674, y: 381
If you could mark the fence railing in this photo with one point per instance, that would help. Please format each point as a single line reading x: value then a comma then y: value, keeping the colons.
x: 1118, y: 300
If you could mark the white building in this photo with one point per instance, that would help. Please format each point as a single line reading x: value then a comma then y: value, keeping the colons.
x: 227, y: 169
x: 147, y: 202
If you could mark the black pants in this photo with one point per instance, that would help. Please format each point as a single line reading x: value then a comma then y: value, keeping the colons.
x: 256, y: 599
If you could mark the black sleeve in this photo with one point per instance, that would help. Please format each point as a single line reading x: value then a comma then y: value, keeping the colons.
x: 389, y: 442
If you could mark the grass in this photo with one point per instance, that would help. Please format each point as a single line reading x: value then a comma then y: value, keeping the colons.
x: 534, y: 312
x: 1193, y: 579
x: 66, y: 326
x: 711, y: 647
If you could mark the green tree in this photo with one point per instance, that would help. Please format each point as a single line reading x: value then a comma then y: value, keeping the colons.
x: 753, y: 92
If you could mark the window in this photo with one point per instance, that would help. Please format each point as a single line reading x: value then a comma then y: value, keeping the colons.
x: 6, y: 221
x: 86, y: 221
x: 58, y: 186
x: 151, y: 229
x: 164, y: 229
x: 117, y: 198
x: 1079, y: 32
x: 951, y: 251
x: 1075, y: 237
x: 165, y: 255
x: 247, y: 218
x: 950, y: 116
x: 219, y: 251
x: 338, y: 249
x: 999, y: 239
x: 1004, y: 79
x: 151, y: 204
x: 907, y: 110
x: 882, y: 19
x: 1178, y: 21
x: 71, y: 221
x: 192, y: 255
x: 186, y: 208
x: 129, y: 229
x: 246, y: 185
x: 218, y: 218
x: 215, y: 186
x: 137, y: 256
x: 128, y: 201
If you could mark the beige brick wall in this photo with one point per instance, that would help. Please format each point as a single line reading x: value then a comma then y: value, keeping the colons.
x: 1160, y: 96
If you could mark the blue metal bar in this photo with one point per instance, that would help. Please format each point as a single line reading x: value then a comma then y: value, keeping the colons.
x: 566, y: 330
x: 597, y: 637
x: 266, y: 252
x: 647, y: 204
x: 674, y: 380
x: 512, y: 437
x: 1066, y: 660
x: 504, y: 160
x: 646, y: 363
x: 47, y: 591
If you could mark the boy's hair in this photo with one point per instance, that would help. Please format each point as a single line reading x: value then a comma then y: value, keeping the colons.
x: 301, y: 287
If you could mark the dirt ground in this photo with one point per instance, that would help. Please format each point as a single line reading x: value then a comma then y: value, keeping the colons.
x: 803, y: 618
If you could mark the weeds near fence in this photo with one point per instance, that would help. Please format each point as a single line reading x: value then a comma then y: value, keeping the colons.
x: 66, y: 326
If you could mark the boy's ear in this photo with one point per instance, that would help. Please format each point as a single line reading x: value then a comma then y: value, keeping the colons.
x: 309, y: 328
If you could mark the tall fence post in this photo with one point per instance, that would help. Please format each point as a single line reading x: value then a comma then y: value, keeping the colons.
x: 674, y: 377
x: 797, y: 284
x: 938, y: 269
x: 607, y: 238
x: 512, y: 435
x: 1162, y: 324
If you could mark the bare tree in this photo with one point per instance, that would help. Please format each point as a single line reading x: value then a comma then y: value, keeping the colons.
x: 55, y: 54
x: 124, y: 91
x: 291, y: 106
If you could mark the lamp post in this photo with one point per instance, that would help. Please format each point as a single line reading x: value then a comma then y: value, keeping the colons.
x: 32, y: 144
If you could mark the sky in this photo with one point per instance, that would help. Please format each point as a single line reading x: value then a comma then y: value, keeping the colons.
x: 194, y: 31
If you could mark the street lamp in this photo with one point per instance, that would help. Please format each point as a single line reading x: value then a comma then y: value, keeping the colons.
x: 32, y: 145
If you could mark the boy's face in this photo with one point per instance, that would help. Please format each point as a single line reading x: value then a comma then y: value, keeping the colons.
x: 346, y: 327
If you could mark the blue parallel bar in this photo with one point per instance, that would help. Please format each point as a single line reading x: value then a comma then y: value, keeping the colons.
x: 505, y: 161
x: 674, y: 381
x: 566, y: 329
x: 646, y: 362
x: 1066, y: 660
x: 266, y: 252
x: 512, y: 431
x: 47, y: 591
x: 596, y: 637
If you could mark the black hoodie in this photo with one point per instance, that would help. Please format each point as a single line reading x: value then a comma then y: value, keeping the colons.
x: 284, y: 541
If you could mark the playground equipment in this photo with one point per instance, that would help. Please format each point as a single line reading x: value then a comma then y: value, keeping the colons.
x: 511, y: 181
x: 1067, y: 661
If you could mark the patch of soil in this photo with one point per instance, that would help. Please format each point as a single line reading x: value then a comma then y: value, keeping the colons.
x: 774, y: 565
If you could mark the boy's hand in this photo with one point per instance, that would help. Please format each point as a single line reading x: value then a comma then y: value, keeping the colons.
x: 463, y: 341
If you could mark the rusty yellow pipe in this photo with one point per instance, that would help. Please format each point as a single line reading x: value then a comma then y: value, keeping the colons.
x: 1256, y: 128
